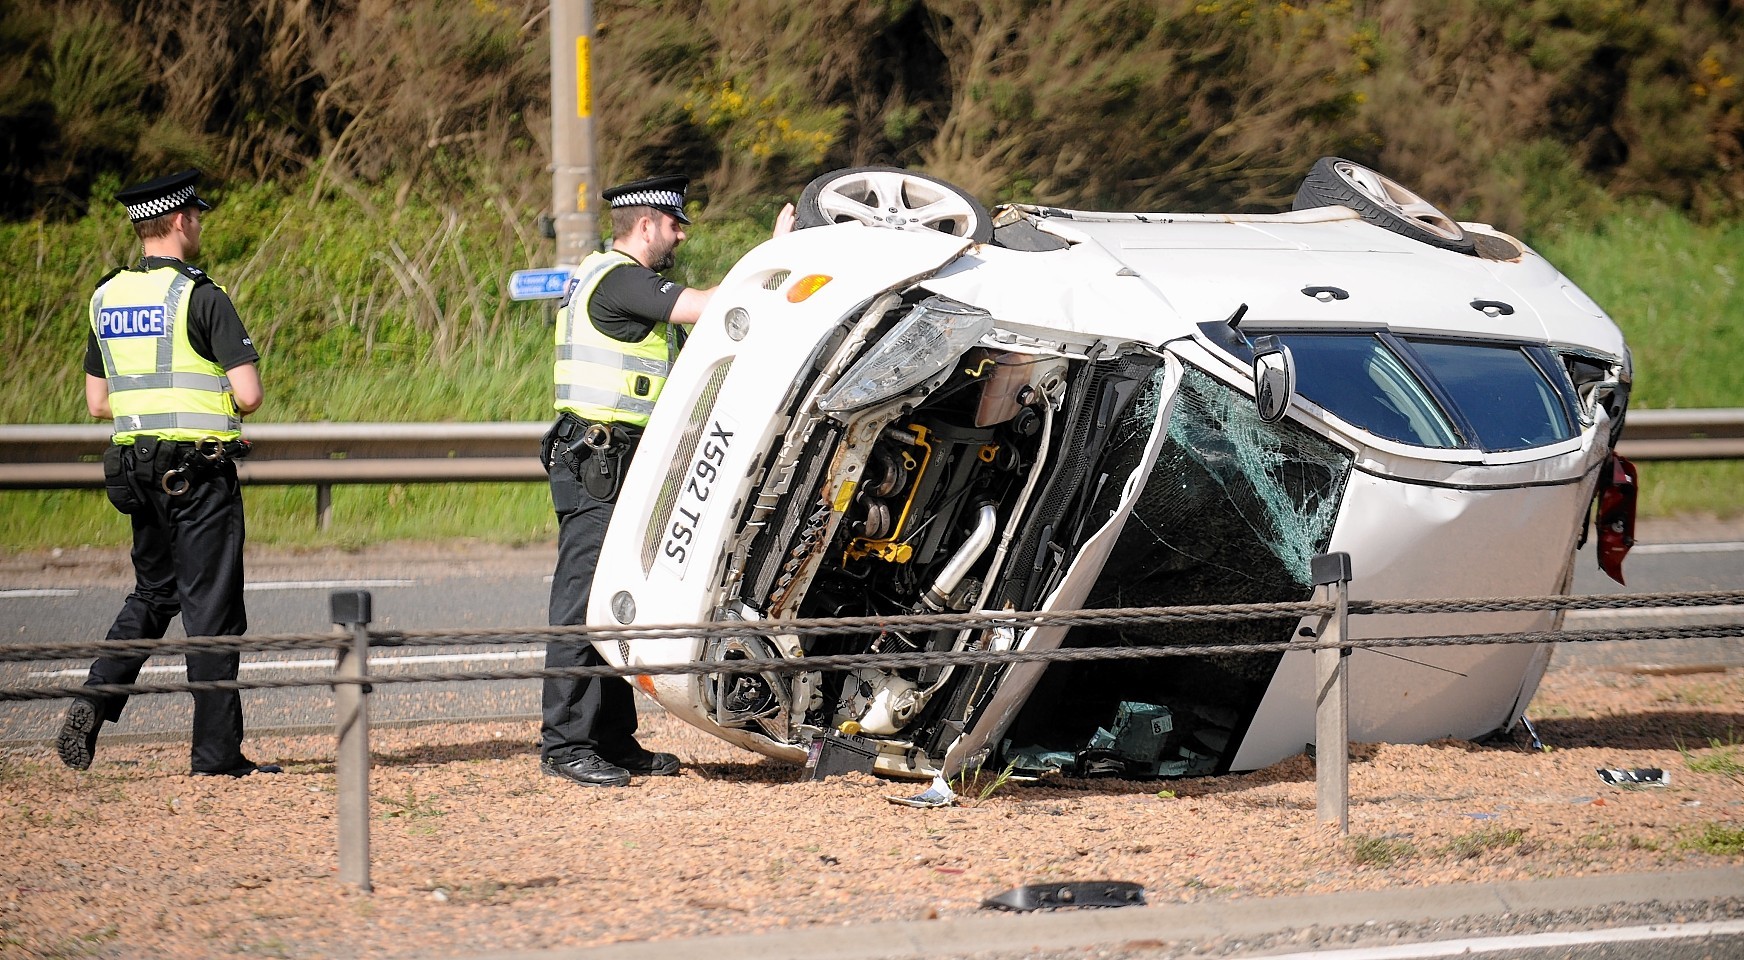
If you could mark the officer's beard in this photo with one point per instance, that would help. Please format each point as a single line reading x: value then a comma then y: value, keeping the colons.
x: 662, y: 260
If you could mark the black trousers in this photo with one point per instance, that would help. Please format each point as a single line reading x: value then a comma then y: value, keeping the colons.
x: 187, y: 560
x: 581, y: 714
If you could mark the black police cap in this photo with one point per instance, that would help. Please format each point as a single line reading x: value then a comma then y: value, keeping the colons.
x: 665, y: 194
x: 154, y: 198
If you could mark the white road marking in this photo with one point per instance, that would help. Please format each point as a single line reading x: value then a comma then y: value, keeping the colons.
x: 324, y: 584
x: 259, y: 585
x: 1693, y: 616
x: 376, y: 663
x: 1454, y: 948
x: 1724, y: 547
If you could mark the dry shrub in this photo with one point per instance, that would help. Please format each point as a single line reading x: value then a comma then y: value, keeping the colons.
x: 1141, y: 105
x: 408, y: 85
x: 1514, y: 112
x: 757, y: 96
x: 1523, y: 113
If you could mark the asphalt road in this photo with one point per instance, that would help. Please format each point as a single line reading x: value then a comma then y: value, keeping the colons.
x: 1696, y: 915
x: 41, y: 611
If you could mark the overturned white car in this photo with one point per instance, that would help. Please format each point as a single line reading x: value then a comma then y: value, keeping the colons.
x: 1044, y: 409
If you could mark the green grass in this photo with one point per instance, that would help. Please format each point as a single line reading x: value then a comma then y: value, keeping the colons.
x: 1469, y: 846
x: 1724, y: 757
x: 413, y: 807
x: 1378, y: 851
x: 367, y: 307
x: 981, y: 784
x: 1675, y: 289
x: 517, y: 514
x: 1716, y: 838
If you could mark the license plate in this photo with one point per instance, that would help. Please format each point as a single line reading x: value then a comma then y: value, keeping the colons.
x: 700, y: 487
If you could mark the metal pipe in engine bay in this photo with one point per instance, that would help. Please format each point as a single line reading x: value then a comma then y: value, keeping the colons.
x: 986, y: 524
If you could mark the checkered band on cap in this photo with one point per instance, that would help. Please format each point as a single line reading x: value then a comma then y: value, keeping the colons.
x: 159, y: 206
x: 649, y: 198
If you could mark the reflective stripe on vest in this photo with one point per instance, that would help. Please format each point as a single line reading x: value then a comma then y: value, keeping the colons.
x: 157, y: 384
x: 597, y: 377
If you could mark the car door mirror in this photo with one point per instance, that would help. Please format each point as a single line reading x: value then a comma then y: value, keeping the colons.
x: 1274, y: 374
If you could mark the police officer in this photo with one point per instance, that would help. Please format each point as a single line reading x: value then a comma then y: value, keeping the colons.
x: 616, y: 339
x: 169, y: 361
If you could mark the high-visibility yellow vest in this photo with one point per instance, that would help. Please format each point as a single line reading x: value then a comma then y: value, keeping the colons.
x: 158, y: 385
x: 599, y: 378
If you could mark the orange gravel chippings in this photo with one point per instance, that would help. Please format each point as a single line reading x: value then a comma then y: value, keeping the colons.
x: 473, y: 851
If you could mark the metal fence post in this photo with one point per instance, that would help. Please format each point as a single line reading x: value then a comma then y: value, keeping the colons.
x: 1332, y: 696
x: 323, y: 506
x: 351, y: 611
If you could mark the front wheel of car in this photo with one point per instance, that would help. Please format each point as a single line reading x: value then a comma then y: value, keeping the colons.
x: 894, y: 198
x: 1382, y: 201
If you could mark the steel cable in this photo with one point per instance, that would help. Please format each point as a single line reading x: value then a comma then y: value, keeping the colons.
x: 891, y: 660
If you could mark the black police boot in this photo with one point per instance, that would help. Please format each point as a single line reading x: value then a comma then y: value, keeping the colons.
x: 248, y: 767
x: 77, y: 741
x: 589, y: 770
x: 644, y: 763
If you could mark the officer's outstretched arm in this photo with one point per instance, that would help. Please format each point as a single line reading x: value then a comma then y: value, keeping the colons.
x: 688, y: 308
x: 245, y: 386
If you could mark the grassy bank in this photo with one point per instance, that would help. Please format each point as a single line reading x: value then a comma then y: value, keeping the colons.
x: 379, y: 306
x: 1674, y: 288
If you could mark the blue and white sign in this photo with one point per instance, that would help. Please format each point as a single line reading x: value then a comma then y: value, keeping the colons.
x: 117, y: 322
x: 540, y: 284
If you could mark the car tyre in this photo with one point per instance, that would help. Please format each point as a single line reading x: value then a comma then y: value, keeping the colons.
x: 895, y: 198
x: 1382, y: 201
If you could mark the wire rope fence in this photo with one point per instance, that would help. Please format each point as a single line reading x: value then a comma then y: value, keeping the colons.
x: 1329, y: 641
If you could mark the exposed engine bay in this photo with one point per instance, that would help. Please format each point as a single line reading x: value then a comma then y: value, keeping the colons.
x: 974, y: 490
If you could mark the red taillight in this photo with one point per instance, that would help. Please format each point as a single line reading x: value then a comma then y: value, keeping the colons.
x: 1616, y: 516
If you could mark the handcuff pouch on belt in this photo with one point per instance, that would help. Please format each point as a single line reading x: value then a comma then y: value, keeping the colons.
x: 597, y: 453
x: 118, y: 483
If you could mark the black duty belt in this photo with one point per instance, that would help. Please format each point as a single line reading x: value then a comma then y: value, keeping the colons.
x: 595, y: 451
x: 595, y: 434
x: 175, y: 464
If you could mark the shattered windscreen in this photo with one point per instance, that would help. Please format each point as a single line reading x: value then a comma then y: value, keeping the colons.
x: 1233, y: 512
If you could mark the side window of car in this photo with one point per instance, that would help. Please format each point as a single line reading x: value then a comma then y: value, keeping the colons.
x: 1500, y: 391
x: 1357, y: 378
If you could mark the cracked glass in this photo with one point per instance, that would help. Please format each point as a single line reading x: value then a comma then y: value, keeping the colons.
x: 1232, y: 512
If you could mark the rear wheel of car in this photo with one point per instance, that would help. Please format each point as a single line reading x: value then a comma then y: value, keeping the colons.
x: 895, y: 198
x: 1382, y: 201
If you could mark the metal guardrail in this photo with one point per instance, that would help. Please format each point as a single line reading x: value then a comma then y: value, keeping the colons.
x: 62, y: 456
x: 1715, y: 434
x: 69, y: 456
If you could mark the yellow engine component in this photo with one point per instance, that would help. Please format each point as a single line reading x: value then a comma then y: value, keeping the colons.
x: 890, y: 549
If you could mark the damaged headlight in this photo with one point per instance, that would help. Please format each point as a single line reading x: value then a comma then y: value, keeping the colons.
x: 924, y: 344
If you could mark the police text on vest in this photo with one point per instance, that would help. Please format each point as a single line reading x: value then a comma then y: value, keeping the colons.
x: 114, y: 322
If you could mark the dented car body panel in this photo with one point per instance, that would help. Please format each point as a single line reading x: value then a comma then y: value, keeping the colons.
x: 1069, y: 422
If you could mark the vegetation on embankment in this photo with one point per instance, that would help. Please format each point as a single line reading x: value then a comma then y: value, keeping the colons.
x: 1515, y: 112
x: 365, y: 311
x: 380, y: 168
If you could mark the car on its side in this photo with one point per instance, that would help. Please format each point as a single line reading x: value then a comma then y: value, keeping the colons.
x: 918, y: 405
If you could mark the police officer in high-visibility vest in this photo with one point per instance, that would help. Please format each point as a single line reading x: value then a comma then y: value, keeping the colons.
x: 169, y: 361
x: 616, y: 339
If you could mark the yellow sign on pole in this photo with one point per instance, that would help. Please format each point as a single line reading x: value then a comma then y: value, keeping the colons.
x: 583, y: 104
